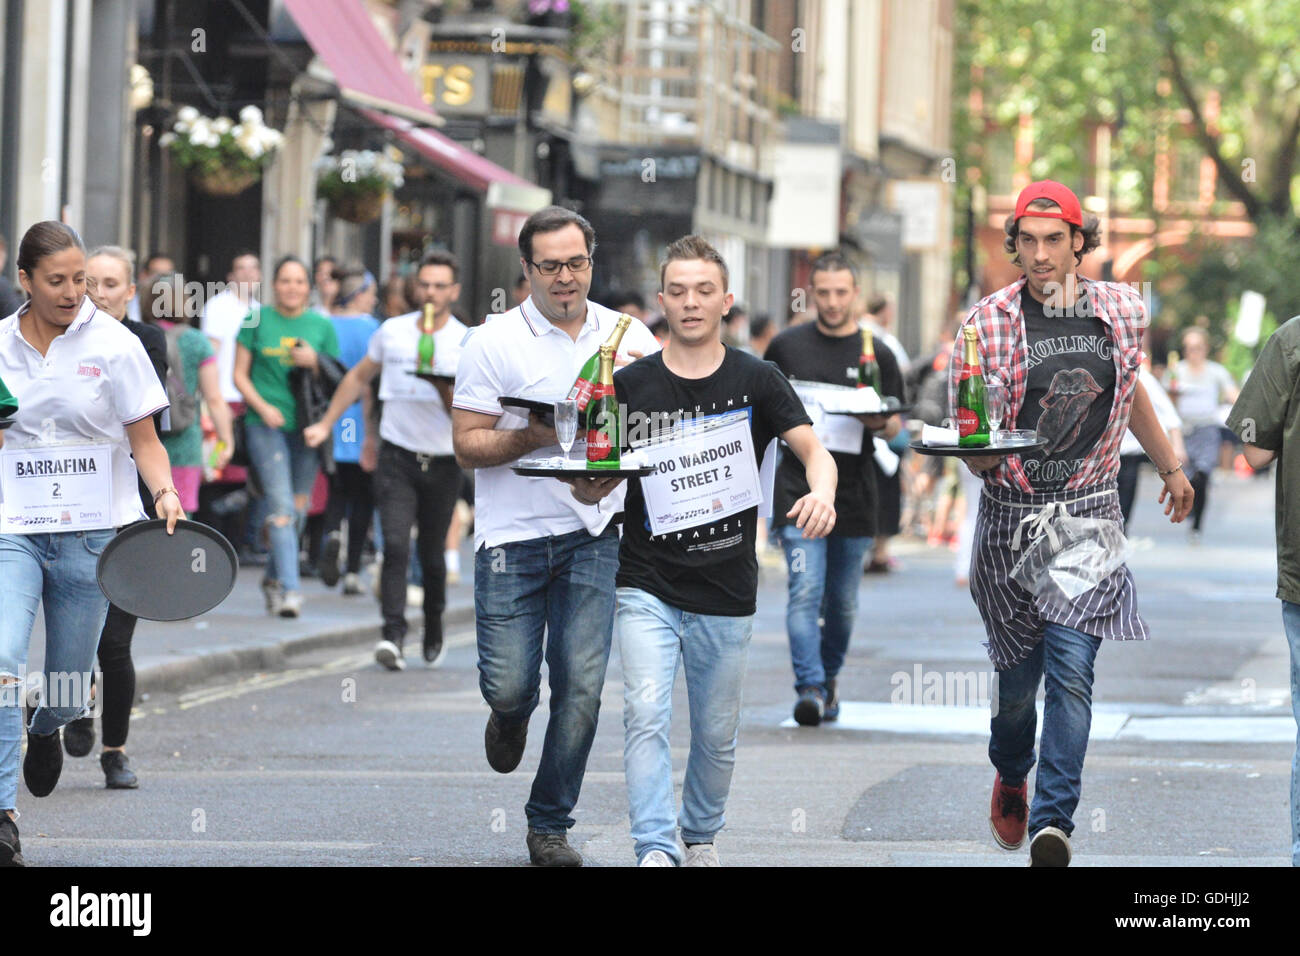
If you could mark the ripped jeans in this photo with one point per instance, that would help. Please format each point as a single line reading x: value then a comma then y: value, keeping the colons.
x: 58, y: 572
x: 287, y: 468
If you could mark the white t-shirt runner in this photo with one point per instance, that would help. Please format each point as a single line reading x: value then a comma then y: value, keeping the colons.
x: 414, y: 416
x: 223, y: 317
x: 519, y: 354
x: 74, y: 404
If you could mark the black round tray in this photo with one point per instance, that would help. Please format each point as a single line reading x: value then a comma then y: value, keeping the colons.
x: 581, y: 471
x: 167, y: 577
x: 528, y: 404
x: 954, y: 451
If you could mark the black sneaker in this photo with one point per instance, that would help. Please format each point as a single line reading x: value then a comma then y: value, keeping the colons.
x: 117, y: 771
x: 810, y: 708
x: 79, y: 737
x: 504, y: 743
x: 832, y: 709
x: 434, y: 649
x: 552, y: 849
x: 43, y: 763
x: 328, y: 564
x: 11, y: 849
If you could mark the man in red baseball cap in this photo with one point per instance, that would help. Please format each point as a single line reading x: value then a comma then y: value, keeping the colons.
x: 1068, y: 348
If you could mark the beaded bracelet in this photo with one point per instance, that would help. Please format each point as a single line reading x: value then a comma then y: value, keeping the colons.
x: 1166, y: 474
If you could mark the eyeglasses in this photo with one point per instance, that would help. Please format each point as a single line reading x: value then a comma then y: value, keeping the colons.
x: 552, y: 268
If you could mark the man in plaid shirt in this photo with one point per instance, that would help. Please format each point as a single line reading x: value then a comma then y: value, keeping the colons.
x: 1069, y: 350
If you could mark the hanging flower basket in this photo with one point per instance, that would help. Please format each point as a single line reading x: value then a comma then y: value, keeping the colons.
x: 225, y: 181
x: 223, y: 157
x: 358, y: 206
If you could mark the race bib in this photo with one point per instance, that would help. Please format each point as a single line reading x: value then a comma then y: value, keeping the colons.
x: 56, y: 488
x: 706, y: 474
x: 835, y: 430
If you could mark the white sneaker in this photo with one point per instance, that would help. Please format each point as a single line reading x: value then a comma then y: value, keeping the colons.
x: 701, y: 854
x: 274, y: 596
x: 656, y: 858
x: 291, y: 604
x: 1050, y: 847
x: 351, y: 584
x: 390, y: 655
x: 414, y: 595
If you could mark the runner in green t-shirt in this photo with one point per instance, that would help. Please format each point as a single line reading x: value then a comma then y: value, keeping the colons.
x: 280, y: 337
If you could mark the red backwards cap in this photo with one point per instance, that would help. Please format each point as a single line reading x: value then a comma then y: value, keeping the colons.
x: 1071, y: 211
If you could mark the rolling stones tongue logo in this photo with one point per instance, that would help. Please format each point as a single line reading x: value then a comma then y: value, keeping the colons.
x: 1065, y: 408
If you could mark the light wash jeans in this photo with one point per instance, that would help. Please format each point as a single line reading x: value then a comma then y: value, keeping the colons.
x: 57, y: 571
x: 1291, y: 621
x: 1063, y: 660
x: 825, y: 574
x: 285, y: 467
x: 653, y: 637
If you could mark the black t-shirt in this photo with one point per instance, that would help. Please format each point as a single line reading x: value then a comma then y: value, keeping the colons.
x: 710, y: 568
x: 1070, y: 390
x: 807, y: 353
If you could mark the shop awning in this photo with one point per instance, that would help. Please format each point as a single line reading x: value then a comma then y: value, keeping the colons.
x: 505, y: 190
x: 366, y: 70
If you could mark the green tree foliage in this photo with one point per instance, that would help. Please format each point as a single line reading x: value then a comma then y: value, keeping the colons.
x: 1149, y: 67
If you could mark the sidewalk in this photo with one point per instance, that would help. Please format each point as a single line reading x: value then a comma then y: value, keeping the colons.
x: 238, y: 635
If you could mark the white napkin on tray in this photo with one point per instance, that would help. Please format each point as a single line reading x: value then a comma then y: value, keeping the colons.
x: 933, y: 435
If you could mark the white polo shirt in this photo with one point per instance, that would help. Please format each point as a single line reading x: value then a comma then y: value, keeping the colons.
x: 414, y: 416
x: 520, y: 354
x: 223, y: 317
x: 94, y: 380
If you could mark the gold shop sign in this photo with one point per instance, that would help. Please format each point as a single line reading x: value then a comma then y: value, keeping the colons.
x: 457, y: 84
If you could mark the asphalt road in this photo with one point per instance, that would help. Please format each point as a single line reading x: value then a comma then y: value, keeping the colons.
x: 330, y: 760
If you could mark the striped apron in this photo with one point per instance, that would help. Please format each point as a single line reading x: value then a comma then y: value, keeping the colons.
x: 1013, y: 618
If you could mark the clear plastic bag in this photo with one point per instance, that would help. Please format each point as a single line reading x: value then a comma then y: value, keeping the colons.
x: 1065, y: 556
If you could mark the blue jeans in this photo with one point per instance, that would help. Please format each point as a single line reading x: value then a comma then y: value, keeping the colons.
x: 57, y: 571
x: 563, y: 587
x: 1291, y: 621
x: 825, y: 574
x: 653, y: 638
x: 1063, y: 659
x: 285, y: 467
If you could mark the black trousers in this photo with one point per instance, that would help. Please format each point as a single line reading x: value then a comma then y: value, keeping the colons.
x: 115, y: 662
x: 414, y: 491
x: 351, y: 496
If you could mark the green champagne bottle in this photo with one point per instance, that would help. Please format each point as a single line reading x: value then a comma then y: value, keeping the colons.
x: 868, y: 367
x: 604, y: 440
x: 586, y: 380
x: 424, y: 351
x: 972, y: 410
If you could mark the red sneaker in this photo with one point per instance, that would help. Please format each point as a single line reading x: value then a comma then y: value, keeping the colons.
x: 1008, y: 814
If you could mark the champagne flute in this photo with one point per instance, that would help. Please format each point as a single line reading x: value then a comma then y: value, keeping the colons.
x: 566, y: 423
x: 995, y: 405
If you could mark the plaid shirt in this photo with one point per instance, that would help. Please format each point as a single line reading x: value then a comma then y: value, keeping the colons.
x: 1000, y: 332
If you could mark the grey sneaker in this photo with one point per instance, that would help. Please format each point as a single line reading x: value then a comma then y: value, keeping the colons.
x: 274, y: 595
x: 552, y: 849
x: 1050, y: 847
x: 656, y: 858
x: 701, y: 854
x: 291, y: 604
x: 390, y: 655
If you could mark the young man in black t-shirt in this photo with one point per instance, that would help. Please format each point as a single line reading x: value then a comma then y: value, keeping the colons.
x: 687, y: 593
x: 824, y: 575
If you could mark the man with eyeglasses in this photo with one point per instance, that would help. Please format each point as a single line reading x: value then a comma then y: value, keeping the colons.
x: 545, y: 554
x: 417, y: 479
